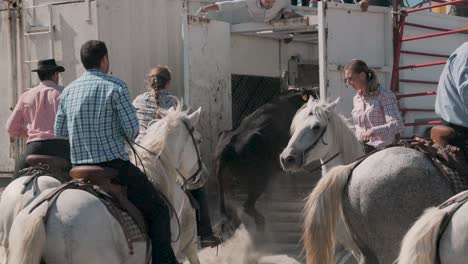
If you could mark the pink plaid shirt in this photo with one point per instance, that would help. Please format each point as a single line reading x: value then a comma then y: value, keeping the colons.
x: 34, y: 114
x: 380, y: 113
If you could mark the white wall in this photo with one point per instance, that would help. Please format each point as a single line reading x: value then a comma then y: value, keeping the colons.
x: 135, y: 33
x: 72, y: 30
x: 208, y: 78
x: 352, y: 34
x: 254, y: 56
x: 139, y: 35
x: 251, y: 55
x: 6, y: 100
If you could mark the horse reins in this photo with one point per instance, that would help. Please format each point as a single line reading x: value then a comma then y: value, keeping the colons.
x: 316, y: 141
x: 162, y: 196
x: 324, y: 163
x: 199, y: 161
x: 158, y: 156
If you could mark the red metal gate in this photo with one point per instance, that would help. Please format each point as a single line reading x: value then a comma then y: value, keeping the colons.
x: 399, y: 23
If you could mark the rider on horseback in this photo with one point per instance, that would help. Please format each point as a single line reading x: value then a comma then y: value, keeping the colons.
x: 452, y: 101
x: 34, y: 116
x: 97, y: 116
x: 147, y: 106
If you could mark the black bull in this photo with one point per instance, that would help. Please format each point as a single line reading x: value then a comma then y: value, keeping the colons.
x: 250, y: 153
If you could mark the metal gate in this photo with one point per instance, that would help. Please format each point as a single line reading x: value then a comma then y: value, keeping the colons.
x: 249, y: 93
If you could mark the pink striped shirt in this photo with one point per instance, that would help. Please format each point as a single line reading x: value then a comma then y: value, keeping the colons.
x: 380, y: 113
x: 34, y: 114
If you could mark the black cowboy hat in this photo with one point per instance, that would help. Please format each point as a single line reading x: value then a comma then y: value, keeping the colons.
x: 48, y: 65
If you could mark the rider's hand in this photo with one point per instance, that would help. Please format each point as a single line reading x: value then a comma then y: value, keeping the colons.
x: 289, y: 14
x: 367, y: 135
x: 202, y: 9
x: 364, y: 4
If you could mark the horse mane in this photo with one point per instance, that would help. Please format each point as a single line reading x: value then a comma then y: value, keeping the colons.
x: 343, y: 135
x: 155, y: 141
x: 157, y: 131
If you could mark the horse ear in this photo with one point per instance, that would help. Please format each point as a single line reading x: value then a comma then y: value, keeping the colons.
x: 310, y: 101
x: 195, y: 117
x: 333, y: 104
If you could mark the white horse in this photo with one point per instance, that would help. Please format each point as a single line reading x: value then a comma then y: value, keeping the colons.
x: 420, y: 243
x: 14, y: 198
x: 314, y: 116
x: 79, y: 228
x: 378, y: 200
x: 175, y: 141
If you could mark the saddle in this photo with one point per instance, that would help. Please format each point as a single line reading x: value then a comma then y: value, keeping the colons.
x: 96, y: 180
x: 451, y: 163
x: 54, y: 163
x: 99, y: 176
x: 44, y: 165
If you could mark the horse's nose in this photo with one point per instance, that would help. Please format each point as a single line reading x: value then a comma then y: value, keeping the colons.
x: 289, y: 161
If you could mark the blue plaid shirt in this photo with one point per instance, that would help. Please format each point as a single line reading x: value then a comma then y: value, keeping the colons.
x: 96, y: 114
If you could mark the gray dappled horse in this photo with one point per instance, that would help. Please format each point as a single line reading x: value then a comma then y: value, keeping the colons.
x: 376, y: 202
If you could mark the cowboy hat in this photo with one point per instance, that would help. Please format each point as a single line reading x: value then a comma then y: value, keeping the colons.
x: 48, y: 65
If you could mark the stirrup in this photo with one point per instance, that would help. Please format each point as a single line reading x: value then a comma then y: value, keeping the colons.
x: 212, y: 241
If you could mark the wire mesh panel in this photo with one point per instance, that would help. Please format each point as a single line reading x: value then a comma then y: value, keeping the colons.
x: 249, y: 93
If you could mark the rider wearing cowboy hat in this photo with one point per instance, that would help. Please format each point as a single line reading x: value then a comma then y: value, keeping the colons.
x: 34, y: 116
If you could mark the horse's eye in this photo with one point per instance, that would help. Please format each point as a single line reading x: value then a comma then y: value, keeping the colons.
x: 311, y: 113
x: 316, y: 127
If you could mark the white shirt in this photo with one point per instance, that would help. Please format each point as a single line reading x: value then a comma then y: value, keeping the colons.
x: 256, y: 10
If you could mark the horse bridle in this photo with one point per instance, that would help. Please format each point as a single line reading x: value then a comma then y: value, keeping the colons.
x: 316, y: 141
x: 185, y: 180
x: 191, y: 130
x: 315, y: 144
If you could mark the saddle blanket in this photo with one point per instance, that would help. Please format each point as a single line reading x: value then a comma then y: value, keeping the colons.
x: 131, y: 229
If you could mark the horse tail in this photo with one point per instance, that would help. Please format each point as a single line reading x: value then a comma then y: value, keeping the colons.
x: 22, y: 202
x: 419, y: 244
x: 28, y: 237
x: 322, y: 212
